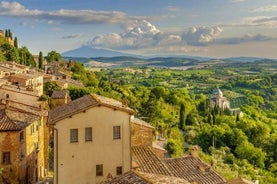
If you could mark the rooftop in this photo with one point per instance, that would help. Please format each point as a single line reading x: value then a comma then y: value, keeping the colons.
x: 193, y: 170
x: 6, y: 123
x: 148, y: 161
x: 132, y: 177
x: 84, y: 103
x: 59, y: 94
x: 141, y: 122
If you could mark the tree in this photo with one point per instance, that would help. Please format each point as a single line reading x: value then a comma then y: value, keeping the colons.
x: 26, y: 58
x: 255, y: 156
x: 2, y: 57
x: 10, y: 52
x: 175, y: 143
x: 182, y: 117
x: 76, y: 92
x: 53, y: 56
x: 40, y: 60
x: 49, y: 87
x: 151, y: 108
x: 15, y: 42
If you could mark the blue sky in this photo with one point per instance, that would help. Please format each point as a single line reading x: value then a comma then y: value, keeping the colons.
x: 213, y: 28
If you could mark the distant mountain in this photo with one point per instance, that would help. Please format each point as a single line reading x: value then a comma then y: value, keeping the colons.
x: 88, y: 52
x: 246, y: 59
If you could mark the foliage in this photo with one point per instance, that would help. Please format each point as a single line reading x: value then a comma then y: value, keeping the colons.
x: 76, y: 92
x: 40, y: 60
x: 174, y: 144
x: 26, y: 58
x: 53, y: 56
x: 49, y: 87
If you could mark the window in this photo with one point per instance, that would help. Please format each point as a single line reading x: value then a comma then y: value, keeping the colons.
x: 118, y: 170
x: 74, y: 135
x: 32, y: 129
x: 6, y: 158
x: 88, y: 134
x: 99, y: 170
x: 116, y: 132
x: 21, y: 136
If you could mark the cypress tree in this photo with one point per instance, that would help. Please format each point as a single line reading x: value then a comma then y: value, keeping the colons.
x: 182, y: 117
x: 40, y: 60
x: 15, y: 42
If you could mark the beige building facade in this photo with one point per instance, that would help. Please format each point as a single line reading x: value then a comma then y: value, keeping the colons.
x: 92, y: 140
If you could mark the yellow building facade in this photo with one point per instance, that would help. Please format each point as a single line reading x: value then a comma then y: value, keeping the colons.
x: 92, y: 140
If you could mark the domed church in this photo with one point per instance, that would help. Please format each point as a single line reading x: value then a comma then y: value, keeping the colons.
x: 219, y: 100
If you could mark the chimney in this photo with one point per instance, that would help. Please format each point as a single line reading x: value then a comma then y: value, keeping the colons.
x: 194, y: 151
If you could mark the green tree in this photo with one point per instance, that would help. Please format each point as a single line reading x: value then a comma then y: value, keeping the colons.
x: 40, y: 60
x: 53, y: 56
x: 246, y: 150
x: 15, y: 42
x: 182, y: 121
x: 26, y: 58
x: 76, y: 92
x: 49, y: 87
x: 2, y: 57
x: 175, y: 143
x: 10, y: 52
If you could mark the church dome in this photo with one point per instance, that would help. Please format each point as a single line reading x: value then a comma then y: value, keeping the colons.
x: 217, y: 92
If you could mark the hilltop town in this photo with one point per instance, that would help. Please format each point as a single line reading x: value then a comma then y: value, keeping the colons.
x: 56, y: 127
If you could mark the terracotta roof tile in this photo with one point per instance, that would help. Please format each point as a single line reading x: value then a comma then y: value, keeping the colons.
x: 193, y: 170
x: 137, y: 177
x: 141, y: 122
x: 84, y: 103
x: 129, y: 177
x: 7, y: 124
x: 59, y: 94
x: 162, y: 179
x: 73, y: 107
x: 148, y: 161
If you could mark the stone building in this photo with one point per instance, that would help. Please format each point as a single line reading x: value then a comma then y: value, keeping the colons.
x: 60, y: 97
x: 91, y: 139
x: 219, y: 100
x: 23, y: 143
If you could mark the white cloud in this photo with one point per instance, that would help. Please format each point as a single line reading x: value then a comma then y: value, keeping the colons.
x: 66, y: 16
x: 201, y: 36
x: 143, y: 34
x: 270, y: 8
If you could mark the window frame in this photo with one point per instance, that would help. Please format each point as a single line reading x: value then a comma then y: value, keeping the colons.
x: 21, y: 136
x: 88, y: 136
x: 73, y: 139
x: 99, y: 170
x: 116, y: 132
x: 6, y: 161
x: 119, y: 170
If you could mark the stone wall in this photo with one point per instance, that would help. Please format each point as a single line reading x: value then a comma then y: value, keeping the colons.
x: 141, y: 134
x: 9, y: 142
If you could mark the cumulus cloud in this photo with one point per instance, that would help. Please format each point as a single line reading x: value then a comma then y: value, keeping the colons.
x: 143, y: 34
x: 201, y: 36
x: 269, y: 8
x: 66, y: 16
x: 139, y: 34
